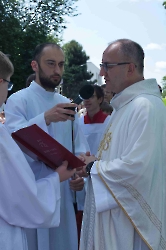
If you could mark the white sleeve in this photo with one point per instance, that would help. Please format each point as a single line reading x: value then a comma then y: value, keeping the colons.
x: 16, y: 115
x: 81, y: 144
x: 103, y: 198
x: 24, y: 201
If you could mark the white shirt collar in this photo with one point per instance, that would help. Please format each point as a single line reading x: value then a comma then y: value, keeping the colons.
x: 148, y: 86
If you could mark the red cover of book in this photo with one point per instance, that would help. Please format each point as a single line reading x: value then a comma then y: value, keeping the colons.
x: 36, y: 143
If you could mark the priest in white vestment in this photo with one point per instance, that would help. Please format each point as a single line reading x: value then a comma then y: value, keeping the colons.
x: 24, y: 202
x: 40, y: 104
x: 125, y: 206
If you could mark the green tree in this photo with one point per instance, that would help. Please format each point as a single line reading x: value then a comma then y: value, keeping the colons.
x: 24, y: 24
x: 76, y: 74
x: 164, y: 86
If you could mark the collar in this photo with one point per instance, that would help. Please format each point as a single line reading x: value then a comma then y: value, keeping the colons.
x: 35, y: 87
x: 148, y: 87
x: 99, y: 117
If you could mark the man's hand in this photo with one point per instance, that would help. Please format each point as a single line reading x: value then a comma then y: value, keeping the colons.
x: 77, y: 184
x: 64, y: 173
x: 59, y: 114
x: 86, y: 158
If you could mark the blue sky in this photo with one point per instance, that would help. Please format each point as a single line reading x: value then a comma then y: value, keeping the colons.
x: 102, y: 21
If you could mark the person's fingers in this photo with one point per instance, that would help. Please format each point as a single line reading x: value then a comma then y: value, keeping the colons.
x: 81, y: 158
x: 67, y: 104
x: 65, y: 163
x: 73, y: 171
x: 77, y: 180
x: 77, y: 185
x: 87, y: 153
x: 79, y: 169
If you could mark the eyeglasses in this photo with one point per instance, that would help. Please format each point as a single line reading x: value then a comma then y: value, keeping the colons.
x: 107, y: 66
x: 10, y: 84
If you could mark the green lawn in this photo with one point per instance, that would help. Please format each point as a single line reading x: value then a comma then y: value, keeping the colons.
x: 164, y: 100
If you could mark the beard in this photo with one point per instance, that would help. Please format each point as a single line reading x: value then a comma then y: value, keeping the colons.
x: 46, y: 82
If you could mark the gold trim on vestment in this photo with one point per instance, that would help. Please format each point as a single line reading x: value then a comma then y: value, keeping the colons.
x: 104, y: 145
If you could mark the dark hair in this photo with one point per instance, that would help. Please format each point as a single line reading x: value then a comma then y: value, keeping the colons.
x: 106, y: 107
x: 39, y: 49
x: 131, y: 51
x: 99, y: 92
x: 103, y: 86
x: 30, y: 79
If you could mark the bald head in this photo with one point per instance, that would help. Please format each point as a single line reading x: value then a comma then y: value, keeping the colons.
x: 129, y: 51
x: 122, y: 65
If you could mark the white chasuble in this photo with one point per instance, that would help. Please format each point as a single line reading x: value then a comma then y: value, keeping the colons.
x: 27, y: 107
x: 125, y: 206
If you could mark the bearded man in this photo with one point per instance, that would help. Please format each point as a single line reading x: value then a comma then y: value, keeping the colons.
x: 40, y: 104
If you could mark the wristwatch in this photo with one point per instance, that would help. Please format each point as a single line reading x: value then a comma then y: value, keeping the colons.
x: 89, y: 166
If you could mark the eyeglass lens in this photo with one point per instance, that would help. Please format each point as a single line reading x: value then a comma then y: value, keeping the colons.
x: 10, y: 86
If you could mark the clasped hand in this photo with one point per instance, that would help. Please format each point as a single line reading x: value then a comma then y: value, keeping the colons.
x: 77, y: 183
x: 86, y: 158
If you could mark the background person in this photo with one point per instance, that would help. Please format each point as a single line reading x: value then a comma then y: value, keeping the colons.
x: 106, y: 108
x: 30, y: 79
x: 95, y: 120
x: 107, y: 93
x: 2, y: 117
x: 164, y: 99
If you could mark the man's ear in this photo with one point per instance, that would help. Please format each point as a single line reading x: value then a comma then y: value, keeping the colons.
x: 1, y: 80
x: 131, y: 68
x: 34, y: 66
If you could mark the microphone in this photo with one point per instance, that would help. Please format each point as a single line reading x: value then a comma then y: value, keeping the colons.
x: 85, y: 93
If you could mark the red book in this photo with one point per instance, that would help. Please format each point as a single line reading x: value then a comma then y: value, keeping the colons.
x: 39, y: 145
